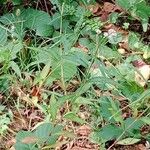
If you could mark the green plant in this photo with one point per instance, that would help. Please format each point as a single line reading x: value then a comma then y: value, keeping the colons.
x: 65, y: 61
x: 44, y: 134
x: 5, y: 119
x: 138, y: 9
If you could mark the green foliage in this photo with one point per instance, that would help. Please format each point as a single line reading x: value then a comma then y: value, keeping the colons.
x: 5, y: 120
x: 73, y: 117
x: 32, y: 19
x: 69, y: 62
x: 138, y: 9
x: 128, y: 141
x: 45, y: 134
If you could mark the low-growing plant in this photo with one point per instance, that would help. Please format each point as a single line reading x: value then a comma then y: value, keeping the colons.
x: 65, y: 61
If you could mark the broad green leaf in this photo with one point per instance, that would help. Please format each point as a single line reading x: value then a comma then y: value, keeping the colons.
x: 131, y: 126
x: 84, y: 42
x: 69, y: 40
x: 110, y: 132
x: 7, y: 19
x: 133, y: 41
x: 78, y: 57
x: 124, y: 4
x: 83, y: 88
x: 47, y: 133
x: 130, y: 90
x: 117, y: 115
x: 127, y: 71
x: 64, y: 68
x: 21, y: 146
x: 128, y: 141
x: 109, y: 109
x: 37, y: 20
x: 14, y: 48
x: 19, y: 141
x: 31, y: 19
x: 56, y: 19
x: 73, y: 117
x: 9, y: 51
x: 44, y: 30
x: 56, y: 132
x: 4, y: 83
x: 108, y: 53
x: 43, y: 131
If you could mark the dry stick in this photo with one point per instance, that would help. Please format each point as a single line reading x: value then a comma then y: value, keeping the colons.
x: 37, y: 4
x: 61, y: 50
x: 46, y: 6
x: 127, y: 128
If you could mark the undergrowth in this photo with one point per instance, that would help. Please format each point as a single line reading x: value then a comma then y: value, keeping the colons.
x: 61, y: 66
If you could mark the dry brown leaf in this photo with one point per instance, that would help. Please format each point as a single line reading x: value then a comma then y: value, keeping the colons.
x: 121, y: 51
x: 35, y: 92
x: 94, y: 8
x: 116, y: 28
x: 10, y: 143
x: 84, y: 130
x: 104, y: 16
x: 142, y: 147
x: 1, y: 96
x: 125, y: 34
x: 83, y: 48
x: 143, y: 73
x: 79, y: 148
x: 12, y: 148
x: 104, y: 11
x: 108, y: 7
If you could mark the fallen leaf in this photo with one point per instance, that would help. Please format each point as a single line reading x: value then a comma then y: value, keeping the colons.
x: 35, y: 91
x: 104, y: 16
x: 1, y: 96
x: 108, y: 7
x: 79, y: 148
x: 143, y: 72
x: 84, y: 130
x: 94, y: 8
x: 121, y: 51
x: 142, y: 147
x: 12, y: 148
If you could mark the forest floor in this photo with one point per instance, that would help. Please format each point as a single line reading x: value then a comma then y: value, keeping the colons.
x: 81, y: 120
